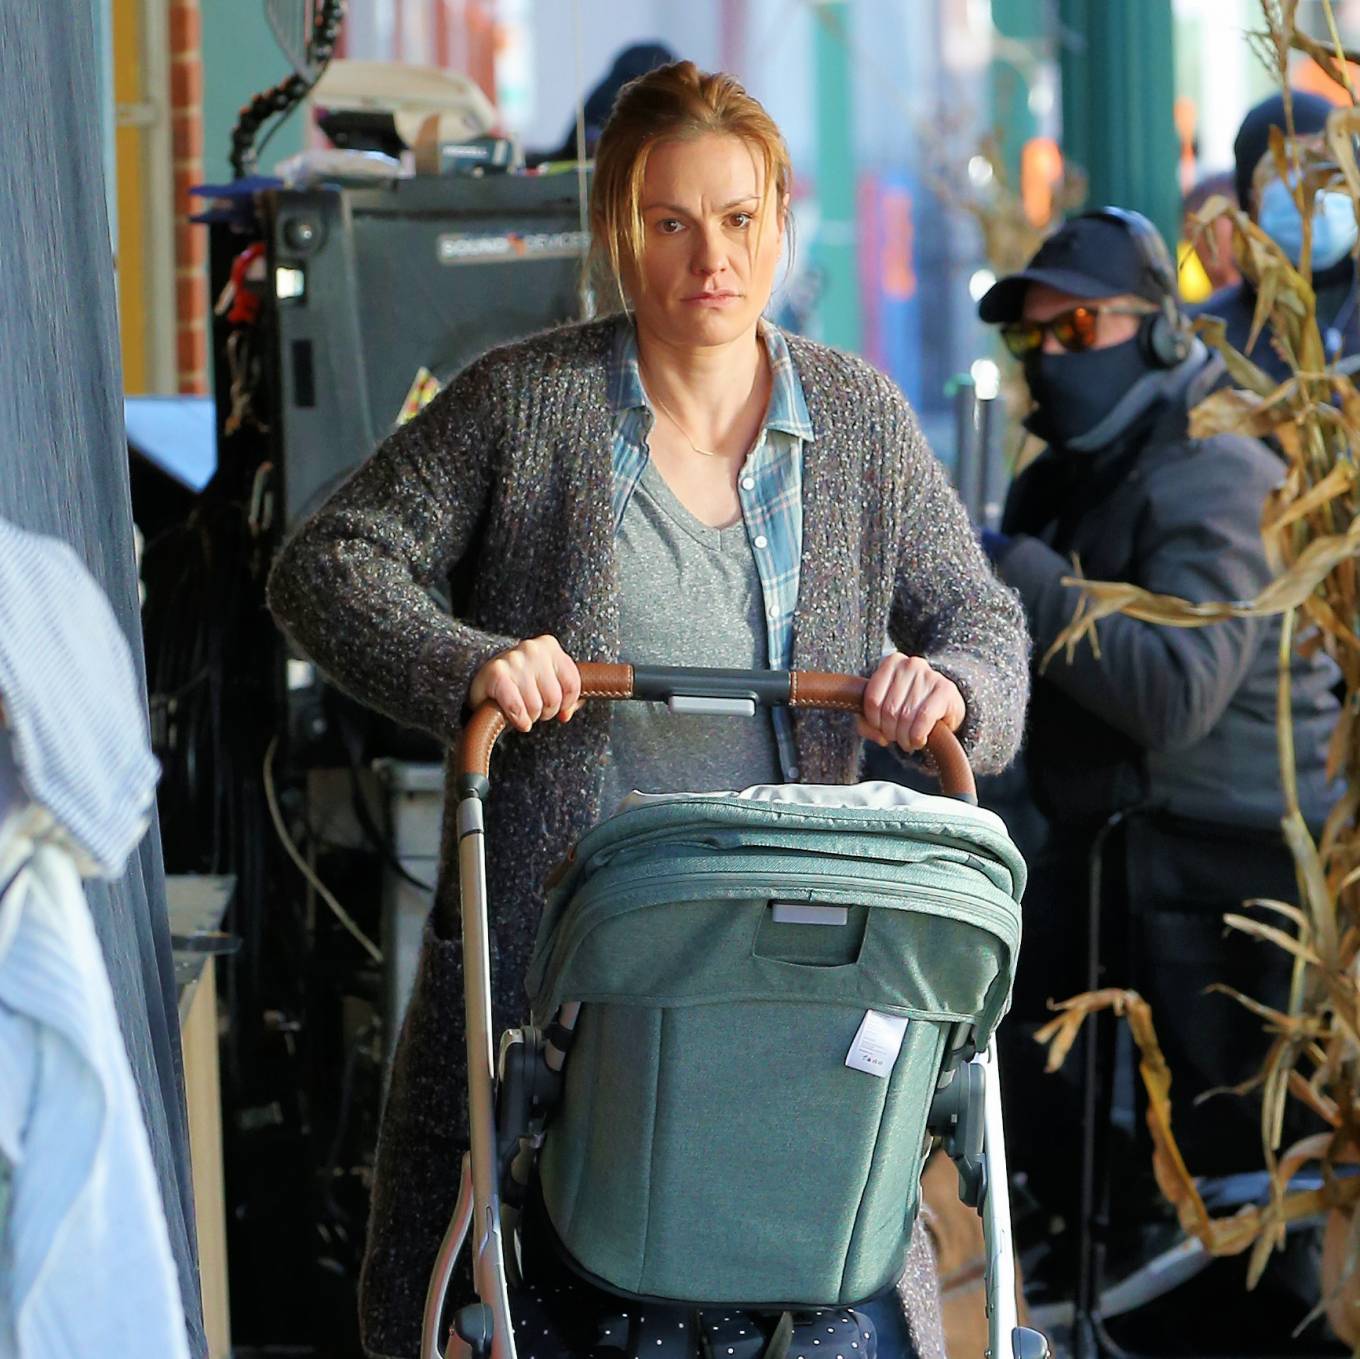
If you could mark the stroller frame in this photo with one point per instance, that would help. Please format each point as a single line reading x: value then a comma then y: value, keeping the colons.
x: 966, y: 1111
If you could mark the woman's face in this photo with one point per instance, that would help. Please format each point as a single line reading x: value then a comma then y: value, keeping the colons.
x: 709, y: 257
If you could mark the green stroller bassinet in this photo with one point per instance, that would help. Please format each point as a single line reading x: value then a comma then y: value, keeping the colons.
x: 750, y: 1015
x: 722, y: 1134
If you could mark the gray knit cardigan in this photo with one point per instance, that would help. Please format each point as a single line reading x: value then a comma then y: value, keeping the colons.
x: 499, y: 495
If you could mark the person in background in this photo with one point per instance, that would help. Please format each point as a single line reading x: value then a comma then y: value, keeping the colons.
x: 1207, y: 265
x: 628, y: 65
x: 1154, y: 756
x: 1270, y: 202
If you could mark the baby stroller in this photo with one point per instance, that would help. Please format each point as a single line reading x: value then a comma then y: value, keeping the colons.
x: 751, y: 1013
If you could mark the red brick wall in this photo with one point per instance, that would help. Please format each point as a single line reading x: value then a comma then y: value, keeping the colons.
x: 191, y: 242
x: 465, y: 37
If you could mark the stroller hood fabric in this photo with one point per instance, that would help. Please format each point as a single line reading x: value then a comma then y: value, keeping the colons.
x: 715, y: 1143
x: 946, y: 871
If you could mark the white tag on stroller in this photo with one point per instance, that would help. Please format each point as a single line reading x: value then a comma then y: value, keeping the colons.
x: 877, y: 1043
x: 807, y: 913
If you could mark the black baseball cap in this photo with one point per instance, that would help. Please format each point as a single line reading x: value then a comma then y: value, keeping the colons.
x: 1253, y: 137
x: 1094, y: 255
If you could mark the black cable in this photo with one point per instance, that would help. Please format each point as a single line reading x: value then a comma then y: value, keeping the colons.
x: 279, y: 122
x: 284, y: 97
x: 345, y: 1105
x: 211, y: 656
x: 352, y: 742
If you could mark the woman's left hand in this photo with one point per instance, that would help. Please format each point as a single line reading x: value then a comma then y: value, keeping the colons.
x: 903, y: 701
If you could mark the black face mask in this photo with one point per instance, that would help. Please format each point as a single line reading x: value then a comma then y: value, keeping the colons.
x: 1075, y: 392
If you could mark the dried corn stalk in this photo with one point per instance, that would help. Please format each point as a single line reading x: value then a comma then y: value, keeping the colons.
x: 1312, y: 530
x: 1257, y: 1229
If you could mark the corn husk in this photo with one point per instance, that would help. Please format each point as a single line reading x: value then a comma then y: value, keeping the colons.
x: 1311, y: 528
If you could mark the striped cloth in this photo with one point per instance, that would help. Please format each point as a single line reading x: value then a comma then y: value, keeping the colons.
x: 87, y: 1262
x: 72, y: 700
x: 770, y: 488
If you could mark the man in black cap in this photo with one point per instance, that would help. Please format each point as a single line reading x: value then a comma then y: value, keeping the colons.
x: 1167, y: 734
x: 632, y: 62
x: 1270, y: 203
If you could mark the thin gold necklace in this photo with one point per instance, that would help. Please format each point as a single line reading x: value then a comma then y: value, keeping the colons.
x: 684, y: 433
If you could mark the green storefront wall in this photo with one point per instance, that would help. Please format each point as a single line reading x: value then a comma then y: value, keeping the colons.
x: 836, y: 251
x: 1118, y: 91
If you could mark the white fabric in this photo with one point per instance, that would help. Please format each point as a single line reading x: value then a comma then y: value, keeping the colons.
x: 85, y: 1261
x: 72, y: 701
x: 875, y: 794
x: 412, y: 95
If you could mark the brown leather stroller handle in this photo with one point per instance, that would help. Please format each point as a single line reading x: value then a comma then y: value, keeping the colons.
x: 845, y: 693
x: 796, y: 688
x: 484, y: 727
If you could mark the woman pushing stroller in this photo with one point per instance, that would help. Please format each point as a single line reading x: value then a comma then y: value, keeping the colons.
x: 680, y: 483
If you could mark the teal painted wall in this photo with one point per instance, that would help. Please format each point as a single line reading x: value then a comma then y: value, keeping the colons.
x: 1118, y: 87
x: 1024, y: 21
x: 240, y: 58
x: 837, y: 250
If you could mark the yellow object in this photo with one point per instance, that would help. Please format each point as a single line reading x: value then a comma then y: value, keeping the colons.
x: 203, y: 1101
x: 422, y: 391
x: 1041, y: 171
x: 1194, y: 282
x: 144, y: 146
x: 128, y: 137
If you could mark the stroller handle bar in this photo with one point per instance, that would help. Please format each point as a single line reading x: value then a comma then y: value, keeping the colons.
x: 764, y: 688
x: 485, y: 1328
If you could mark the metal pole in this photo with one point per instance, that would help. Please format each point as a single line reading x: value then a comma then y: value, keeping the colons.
x: 965, y: 443
x: 1094, y: 1115
x: 996, y: 1213
x: 442, y: 1275
x: 987, y: 512
x: 488, y: 1252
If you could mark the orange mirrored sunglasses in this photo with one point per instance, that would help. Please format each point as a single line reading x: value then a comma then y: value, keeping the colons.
x: 1074, y: 330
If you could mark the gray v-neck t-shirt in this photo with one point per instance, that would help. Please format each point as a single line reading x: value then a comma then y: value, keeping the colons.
x: 689, y: 594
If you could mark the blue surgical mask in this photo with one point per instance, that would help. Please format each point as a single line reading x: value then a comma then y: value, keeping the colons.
x: 1334, y: 229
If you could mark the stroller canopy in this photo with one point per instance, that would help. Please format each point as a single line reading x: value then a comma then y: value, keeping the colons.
x: 646, y: 911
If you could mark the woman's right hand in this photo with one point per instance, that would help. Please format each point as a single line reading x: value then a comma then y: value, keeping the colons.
x: 533, y: 681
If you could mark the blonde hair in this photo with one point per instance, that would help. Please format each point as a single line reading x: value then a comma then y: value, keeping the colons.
x: 671, y: 103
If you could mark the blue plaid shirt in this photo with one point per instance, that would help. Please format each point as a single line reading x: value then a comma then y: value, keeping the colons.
x: 770, y: 488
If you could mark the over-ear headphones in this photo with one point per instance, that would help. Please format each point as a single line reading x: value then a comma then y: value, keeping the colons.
x: 1164, y: 337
